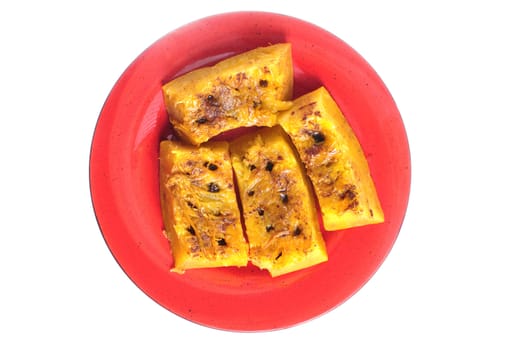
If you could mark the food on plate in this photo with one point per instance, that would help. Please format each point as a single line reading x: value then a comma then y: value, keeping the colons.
x: 244, y: 90
x: 199, y: 206
x: 278, y: 204
x: 300, y: 151
x: 334, y: 161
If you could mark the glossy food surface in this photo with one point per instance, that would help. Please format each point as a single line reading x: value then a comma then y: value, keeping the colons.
x: 124, y: 175
x: 199, y: 206
x: 334, y: 161
x: 278, y: 203
x: 243, y: 90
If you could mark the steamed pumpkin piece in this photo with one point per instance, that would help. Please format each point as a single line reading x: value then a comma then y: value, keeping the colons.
x: 199, y: 206
x: 278, y: 204
x: 244, y: 90
x: 334, y: 161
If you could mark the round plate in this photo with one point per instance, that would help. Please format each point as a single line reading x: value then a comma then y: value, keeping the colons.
x: 125, y: 187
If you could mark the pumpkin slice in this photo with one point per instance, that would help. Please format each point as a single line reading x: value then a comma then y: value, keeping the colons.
x: 334, y: 161
x: 278, y: 203
x: 244, y: 90
x: 199, y: 206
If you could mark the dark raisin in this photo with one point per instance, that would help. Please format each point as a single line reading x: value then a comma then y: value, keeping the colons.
x: 222, y: 242
x: 269, y: 166
x: 213, y: 187
x: 269, y: 228
x: 202, y: 120
x: 212, y: 101
x: 250, y: 193
x: 260, y: 211
x: 206, y: 164
x: 213, y: 166
x: 263, y: 83
x: 284, y: 198
x: 349, y: 192
x: 256, y: 104
x: 297, y: 231
x: 252, y: 167
x: 191, y: 205
x: 318, y: 137
x: 191, y: 230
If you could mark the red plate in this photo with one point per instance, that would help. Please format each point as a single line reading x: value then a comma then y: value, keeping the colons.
x: 124, y: 175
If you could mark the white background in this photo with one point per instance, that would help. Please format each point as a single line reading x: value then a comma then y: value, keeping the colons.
x: 456, y: 277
